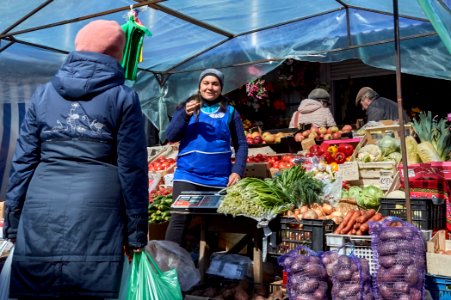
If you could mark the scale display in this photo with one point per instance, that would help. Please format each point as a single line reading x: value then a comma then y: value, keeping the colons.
x: 197, y: 201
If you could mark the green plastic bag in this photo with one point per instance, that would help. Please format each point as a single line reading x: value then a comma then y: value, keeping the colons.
x: 148, y: 282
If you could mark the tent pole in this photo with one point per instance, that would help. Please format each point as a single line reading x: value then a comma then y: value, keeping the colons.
x: 401, y: 111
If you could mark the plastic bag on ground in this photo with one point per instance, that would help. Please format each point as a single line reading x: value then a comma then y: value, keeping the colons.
x: 148, y: 282
x: 169, y: 255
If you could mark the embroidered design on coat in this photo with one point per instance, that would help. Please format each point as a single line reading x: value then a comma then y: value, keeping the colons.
x: 79, y: 124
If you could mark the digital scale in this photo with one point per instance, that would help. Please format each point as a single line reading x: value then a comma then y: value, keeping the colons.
x: 197, y: 201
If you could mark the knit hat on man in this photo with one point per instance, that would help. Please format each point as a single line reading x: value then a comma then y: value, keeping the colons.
x: 362, y: 92
x: 213, y: 72
x: 319, y: 94
x: 101, y: 36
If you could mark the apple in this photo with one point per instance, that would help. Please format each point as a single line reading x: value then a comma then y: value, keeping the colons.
x: 250, y: 140
x: 346, y: 128
x: 298, y: 137
x: 336, y: 135
x: 322, y: 130
x: 329, y: 131
x: 328, y: 136
x: 255, y: 133
x: 258, y: 139
x: 269, y: 138
x: 334, y: 129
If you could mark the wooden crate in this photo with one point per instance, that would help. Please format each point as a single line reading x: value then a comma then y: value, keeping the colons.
x: 438, y: 264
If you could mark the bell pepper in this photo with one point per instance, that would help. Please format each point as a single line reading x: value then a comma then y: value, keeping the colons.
x: 333, y: 166
x: 316, y: 150
x: 339, y: 157
x: 347, y: 149
x: 332, y: 150
x: 328, y: 158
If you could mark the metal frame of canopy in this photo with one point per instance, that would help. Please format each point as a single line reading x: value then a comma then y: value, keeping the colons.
x: 11, y: 37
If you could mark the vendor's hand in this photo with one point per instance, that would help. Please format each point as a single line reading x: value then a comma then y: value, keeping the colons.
x: 191, y: 107
x: 233, y: 178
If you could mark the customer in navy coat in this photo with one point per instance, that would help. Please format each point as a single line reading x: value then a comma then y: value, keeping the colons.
x: 78, y: 189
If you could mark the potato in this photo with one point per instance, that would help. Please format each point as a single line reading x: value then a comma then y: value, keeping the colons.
x: 391, y: 234
x: 388, y: 248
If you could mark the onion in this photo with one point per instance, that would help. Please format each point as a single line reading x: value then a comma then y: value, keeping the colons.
x: 303, y: 209
x: 310, y: 214
x: 327, y: 208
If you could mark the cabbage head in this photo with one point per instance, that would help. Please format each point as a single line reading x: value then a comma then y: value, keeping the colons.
x: 370, y: 197
x: 354, y: 192
x: 388, y: 145
x: 396, y: 156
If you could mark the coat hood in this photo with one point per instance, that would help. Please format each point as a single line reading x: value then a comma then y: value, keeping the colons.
x: 309, y: 105
x: 86, y: 74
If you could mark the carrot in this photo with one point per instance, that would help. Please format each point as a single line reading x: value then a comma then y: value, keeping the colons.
x: 351, y: 222
x: 345, y: 221
x: 365, y: 226
x: 353, y: 232
x: 366, y: 216
x: 357, y: 225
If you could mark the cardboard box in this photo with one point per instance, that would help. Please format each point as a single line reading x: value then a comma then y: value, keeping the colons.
x: 438, y: 264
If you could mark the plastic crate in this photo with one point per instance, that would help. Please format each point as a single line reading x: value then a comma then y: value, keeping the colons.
x: 359, y: 245
x: 427, y: 214
x: 308, y: 232
x: 439, y: 287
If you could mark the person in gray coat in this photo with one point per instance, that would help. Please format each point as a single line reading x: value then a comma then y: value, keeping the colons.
x: 78, y: 190
x: 378, y: 108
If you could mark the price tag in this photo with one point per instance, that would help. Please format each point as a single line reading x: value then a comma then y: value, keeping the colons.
x: 385, y: 181
x: 349, y: 171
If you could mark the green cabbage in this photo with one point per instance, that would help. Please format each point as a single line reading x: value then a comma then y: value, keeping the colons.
x: 354, y: 192
x: 388, y: 145
x: 370, y: 197
x: 396, y: 156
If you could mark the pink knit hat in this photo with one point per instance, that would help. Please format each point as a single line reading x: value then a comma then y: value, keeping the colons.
x: 101, y: 36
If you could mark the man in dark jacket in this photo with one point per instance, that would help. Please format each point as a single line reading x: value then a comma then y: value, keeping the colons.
x: 377, y: 108
x: 78, y: 189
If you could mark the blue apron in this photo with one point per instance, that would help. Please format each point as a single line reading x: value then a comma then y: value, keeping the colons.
x: 204, y: 154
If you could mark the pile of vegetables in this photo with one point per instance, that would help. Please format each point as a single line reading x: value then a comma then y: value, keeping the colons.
x: 435, y: 137
x: 299, y: 186
x: 400, y: 264
x: 306, y: 274
x: 387, y: 149
x: 258, y: 198
x: 366, y: 197
x: 158, y: 209
x: 253, y: 197
x: 356, y: 222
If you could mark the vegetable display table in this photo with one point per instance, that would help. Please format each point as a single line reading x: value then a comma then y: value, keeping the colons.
x: 215, y: 222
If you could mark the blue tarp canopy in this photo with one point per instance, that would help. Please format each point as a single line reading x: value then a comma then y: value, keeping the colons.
x: 245, y: 39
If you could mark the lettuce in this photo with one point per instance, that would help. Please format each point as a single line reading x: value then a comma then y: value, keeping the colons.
x: 370, y: 197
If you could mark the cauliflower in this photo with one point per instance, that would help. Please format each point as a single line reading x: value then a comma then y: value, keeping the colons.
x: 369, y: 153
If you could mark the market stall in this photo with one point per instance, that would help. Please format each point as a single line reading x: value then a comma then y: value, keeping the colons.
x: 339, y: 197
